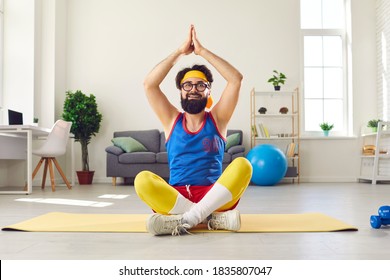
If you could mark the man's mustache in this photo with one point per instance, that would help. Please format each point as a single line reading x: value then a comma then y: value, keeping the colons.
x: 194, y: 95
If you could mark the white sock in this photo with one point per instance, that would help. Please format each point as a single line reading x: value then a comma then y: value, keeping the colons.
x: 218, y: 195
x: 182, y: 205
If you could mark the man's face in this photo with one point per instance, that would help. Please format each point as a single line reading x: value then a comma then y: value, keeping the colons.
x: 194, y: 94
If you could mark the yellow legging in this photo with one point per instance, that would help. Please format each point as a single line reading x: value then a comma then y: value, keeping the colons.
x: 162, y: 197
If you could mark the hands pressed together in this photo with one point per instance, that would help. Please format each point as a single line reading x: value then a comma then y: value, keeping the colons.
x: 192, y: 44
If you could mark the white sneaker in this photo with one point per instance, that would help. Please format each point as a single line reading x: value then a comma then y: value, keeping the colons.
x: 229, y: 220
x: 159, y: 224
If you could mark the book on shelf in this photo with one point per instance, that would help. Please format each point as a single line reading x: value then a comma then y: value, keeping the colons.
x: 263, y: 131
x: 254, y: 131
x: 292, y: 149
x: 266, y: 131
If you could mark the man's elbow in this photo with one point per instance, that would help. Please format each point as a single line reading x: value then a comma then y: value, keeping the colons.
x: 238, y: 77
x: 148, y: 85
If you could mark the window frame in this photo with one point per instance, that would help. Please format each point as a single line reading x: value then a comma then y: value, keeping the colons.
x: 343, y: 34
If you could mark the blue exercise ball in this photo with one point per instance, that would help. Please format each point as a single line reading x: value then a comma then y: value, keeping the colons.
x: 269, y: 164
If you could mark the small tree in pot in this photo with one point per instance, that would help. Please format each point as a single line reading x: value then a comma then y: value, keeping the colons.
x: 82, y: 111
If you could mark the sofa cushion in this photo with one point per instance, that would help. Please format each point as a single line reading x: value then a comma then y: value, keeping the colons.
x: 232, y: 140
x: 162, y: 157
x: 227, y: 158
x: 128, y: 144
x: 236, y: 149
x: 114, y: 150
x: 137, y: 157
x: 162, y: 142
x: 233, y: 131
x: 149, y: 138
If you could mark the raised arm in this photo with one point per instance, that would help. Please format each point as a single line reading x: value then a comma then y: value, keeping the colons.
x: 160, y: 104
x: 224, y: 109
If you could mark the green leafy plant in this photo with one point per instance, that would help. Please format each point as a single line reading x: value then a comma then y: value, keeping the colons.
x: 277, y: 79
x: 82, y: 111
x: 326, y: 126
x: 35, y: 120
x: 373, y: 123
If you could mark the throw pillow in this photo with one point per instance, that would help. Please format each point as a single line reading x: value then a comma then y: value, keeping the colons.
x: 232, y: 140
x: 128, y: 144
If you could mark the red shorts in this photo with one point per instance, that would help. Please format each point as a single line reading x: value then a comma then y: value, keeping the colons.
x: 196, y: 193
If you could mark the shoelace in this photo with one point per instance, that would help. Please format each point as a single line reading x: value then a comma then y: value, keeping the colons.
x: 181, y: 228
x: 215, y: 224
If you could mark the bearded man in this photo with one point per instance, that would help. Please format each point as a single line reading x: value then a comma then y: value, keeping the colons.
x: 198, y: 191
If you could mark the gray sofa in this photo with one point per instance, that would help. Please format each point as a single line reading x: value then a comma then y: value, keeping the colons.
x: 128, y: 164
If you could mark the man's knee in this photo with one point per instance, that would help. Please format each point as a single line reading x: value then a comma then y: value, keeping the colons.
x: 142, y: 182
x: 241, y: 165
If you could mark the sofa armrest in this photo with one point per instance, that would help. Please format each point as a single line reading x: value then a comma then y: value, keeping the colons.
x: 236, y: 149
x: 114, y: 150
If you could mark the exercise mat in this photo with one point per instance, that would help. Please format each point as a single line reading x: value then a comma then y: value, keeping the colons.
x: 71, y: 222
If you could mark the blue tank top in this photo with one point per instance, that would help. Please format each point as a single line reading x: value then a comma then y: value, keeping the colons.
x: 195, y: 158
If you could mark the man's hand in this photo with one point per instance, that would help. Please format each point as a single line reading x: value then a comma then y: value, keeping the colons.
x: 188, y: 46
x: 197, y: 45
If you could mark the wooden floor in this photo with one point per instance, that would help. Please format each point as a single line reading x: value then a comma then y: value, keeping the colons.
x: 352, y: 203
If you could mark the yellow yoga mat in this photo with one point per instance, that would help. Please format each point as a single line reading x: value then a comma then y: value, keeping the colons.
x: 70, y: 222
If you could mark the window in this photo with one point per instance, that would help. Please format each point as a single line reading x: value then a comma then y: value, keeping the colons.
x: 325, y: 98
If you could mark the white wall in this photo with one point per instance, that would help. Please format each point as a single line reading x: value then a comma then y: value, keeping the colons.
x: 18, y: 87
x: 107, y: 47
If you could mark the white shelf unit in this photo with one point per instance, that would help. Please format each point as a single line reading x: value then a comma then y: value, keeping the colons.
x: 276, y: 128
x: 376, y: 167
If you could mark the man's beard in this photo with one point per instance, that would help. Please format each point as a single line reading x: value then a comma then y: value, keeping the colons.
x: 193, y: 106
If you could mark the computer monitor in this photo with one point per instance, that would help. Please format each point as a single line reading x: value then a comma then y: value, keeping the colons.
x: 14, y: 117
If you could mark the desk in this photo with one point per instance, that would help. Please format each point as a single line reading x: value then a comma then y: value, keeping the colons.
x: 16, y: 143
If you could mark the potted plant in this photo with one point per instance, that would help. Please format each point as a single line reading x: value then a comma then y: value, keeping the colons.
x: 326, y: 127
x: 82, y: 111
x: 373, y: 124
x: 35, y: 121
x: 277, y: 79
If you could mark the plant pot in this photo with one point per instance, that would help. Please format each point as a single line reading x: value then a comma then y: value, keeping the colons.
x: 374, y: 129
x: 85, y: 177
x: 326, y: 132
x: 277, y: 88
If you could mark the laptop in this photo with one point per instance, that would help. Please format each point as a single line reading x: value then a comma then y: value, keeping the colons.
x: 15, y: 117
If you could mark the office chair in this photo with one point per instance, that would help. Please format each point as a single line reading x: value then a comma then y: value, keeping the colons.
x: 54, y: 146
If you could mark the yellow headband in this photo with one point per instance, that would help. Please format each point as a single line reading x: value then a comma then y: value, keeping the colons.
x: 194, y: 74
